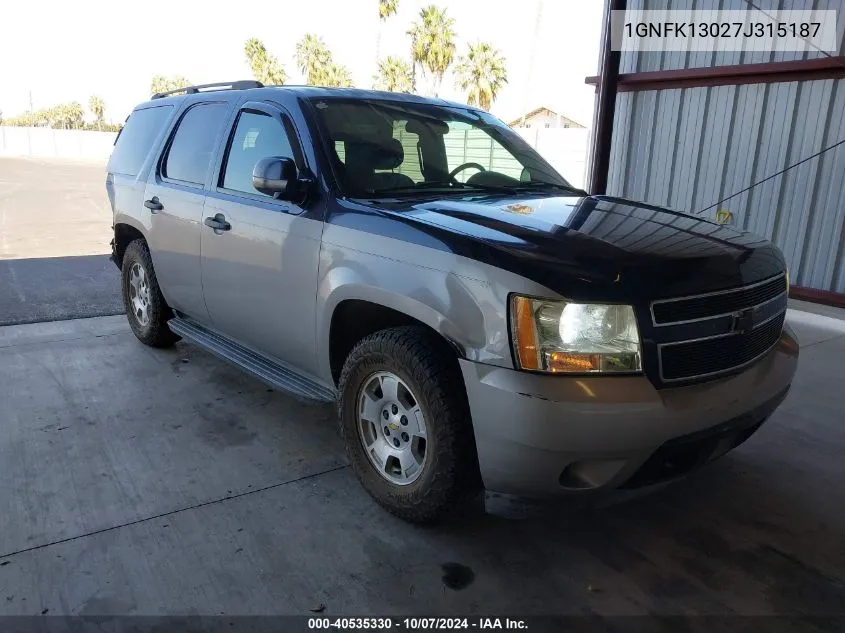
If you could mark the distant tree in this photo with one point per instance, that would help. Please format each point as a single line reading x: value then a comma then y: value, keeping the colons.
x: 160, y: 83
x: 265, y: 67
x: 482, y: 73
x: 432, y: 44
x: 337, y: 76
x: 71, y: 115
x: 386, y: 8
x: 98, y: 109
x: 394, y: 74
x: 313, y: 59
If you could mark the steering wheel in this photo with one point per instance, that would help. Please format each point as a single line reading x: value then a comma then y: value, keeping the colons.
x: 460, y: 168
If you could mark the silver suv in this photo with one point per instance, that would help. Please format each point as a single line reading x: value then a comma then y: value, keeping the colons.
x: 479, y: 321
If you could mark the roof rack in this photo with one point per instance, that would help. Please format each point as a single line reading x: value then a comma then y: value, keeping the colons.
x: 226, y: 85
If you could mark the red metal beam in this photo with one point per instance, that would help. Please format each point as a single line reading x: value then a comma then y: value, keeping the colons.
x: 827, y: 297
x: 773, y: 72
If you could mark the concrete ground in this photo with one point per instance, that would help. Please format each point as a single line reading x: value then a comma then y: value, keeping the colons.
x: 140, y: 481
x: 55, y: 228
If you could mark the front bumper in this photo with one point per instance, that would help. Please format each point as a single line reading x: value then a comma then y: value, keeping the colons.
x: 538, y: 435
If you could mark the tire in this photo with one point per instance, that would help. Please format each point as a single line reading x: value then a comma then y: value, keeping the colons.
x: 448, y: 477
x: 148, y: 321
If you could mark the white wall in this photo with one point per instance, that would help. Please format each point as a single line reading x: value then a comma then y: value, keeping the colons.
x: 48, y: 143
x: 565, y: 148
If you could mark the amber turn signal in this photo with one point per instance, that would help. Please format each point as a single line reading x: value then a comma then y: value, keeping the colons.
x: 573, y: 362
x: 526, y: 333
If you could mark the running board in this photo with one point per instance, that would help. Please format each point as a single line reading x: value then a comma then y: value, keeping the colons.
x: 266, y: 370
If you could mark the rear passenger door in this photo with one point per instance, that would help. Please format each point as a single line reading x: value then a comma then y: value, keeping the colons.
x: 260, y: 274
x: 175, y: 195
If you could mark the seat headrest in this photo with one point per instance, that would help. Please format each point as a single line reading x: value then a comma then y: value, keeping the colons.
x: 385, y: 154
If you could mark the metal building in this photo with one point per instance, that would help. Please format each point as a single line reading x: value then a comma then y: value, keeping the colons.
x: 690, y: 130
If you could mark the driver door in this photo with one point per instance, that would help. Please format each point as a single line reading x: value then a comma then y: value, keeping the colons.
x: 259, y: 275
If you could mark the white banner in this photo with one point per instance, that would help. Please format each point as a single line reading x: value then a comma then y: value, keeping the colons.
x: 714, y: 30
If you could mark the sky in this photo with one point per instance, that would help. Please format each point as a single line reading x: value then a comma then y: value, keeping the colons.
x: 63, y: 51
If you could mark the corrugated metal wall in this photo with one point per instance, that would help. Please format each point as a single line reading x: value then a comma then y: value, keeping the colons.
x: 689, y: 148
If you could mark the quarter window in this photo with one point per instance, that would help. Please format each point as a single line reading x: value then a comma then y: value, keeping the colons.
x: 136, y: 139
x: 192, y: 148
x: 256, y: 136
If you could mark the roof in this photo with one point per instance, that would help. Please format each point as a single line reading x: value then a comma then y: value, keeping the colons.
x: 310, y: 92
x: 539, y: 110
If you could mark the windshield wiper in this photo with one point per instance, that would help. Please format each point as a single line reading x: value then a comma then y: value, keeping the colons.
x: 541, y: 184
x: 420, y: 186
x: 464, y: 187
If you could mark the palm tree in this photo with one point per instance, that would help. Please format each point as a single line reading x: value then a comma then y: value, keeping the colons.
x: 432, y: 43
x: 394, y: 74
x: 386, y: 8
x: 160, y: 83
x: 337, y: 76
x: 482, y: 73
x: 265, y: 67
x: 313, y: 59
x: 98, y: 109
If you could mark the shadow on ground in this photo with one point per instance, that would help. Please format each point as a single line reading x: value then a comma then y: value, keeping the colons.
x: 56, y: 288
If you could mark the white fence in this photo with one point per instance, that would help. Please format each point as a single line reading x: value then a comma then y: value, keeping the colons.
x: 42, y: 142
x: 564, y: 148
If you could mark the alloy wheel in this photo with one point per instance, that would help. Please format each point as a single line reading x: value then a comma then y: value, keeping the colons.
x: 391, y: 426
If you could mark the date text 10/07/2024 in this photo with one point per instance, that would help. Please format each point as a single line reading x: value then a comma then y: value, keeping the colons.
x: 416, y: 624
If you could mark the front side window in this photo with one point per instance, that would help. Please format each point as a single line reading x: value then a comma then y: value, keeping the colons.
x: 388, y: 148
x: 192, y: 147
x: 256, y: 136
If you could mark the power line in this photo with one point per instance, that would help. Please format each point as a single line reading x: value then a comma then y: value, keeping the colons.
x: 767, y: 178
x: 772, y: 18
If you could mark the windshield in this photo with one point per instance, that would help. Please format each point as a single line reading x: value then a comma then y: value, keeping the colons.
x: 391, y: 148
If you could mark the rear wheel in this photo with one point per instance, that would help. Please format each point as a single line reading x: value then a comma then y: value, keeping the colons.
x: 406, y: 423
x: 145, y: 306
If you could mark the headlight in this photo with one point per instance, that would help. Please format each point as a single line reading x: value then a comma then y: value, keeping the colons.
x: 565, y: 337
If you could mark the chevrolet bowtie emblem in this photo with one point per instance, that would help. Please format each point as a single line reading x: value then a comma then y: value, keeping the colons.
x: 743, y: 321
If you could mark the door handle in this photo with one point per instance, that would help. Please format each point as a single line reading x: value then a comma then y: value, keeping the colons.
x: 218, y: 223
x: 153, y: 204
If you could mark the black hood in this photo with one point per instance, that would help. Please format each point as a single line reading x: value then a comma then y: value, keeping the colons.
x: 594, y: 247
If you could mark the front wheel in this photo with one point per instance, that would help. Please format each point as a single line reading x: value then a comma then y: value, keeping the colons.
x: 406, y: 423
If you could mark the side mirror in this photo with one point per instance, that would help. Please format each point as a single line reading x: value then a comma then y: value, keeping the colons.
x: 276, y: 176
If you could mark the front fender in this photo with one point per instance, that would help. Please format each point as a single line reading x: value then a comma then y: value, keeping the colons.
x: 461, y: 309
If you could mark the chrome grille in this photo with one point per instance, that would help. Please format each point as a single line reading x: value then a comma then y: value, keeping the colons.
x: 716, y: 355
x: 716, y: 304
x: 747, y: 321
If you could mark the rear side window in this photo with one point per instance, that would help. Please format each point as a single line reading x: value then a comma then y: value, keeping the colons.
x: 192, y: 147
x: 135, y: 140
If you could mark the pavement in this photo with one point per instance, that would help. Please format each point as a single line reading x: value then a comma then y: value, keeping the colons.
x: 136, y: 481
x: 141, y: 481
x: 55, y: 228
